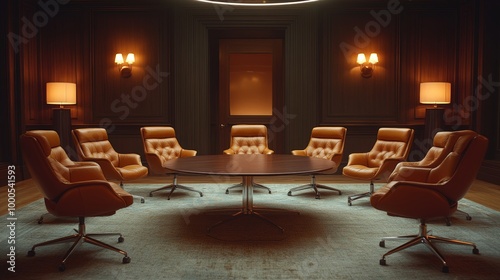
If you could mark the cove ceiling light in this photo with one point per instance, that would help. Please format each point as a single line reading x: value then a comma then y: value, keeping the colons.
x: 256, y: 3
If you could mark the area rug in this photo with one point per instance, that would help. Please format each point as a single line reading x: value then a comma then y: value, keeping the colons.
x: 321, y: 239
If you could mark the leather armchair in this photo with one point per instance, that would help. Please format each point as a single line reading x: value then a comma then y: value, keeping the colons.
x: 427, y: 193
x: 327, y: 143
x: 248, y: 139
x: 92, y: 144
x: 391, y: 147
x: 161, y: 145
x: 442, y: 145
x: 78, y: 190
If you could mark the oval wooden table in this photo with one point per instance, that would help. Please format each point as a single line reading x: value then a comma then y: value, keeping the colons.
x: 248, y: 166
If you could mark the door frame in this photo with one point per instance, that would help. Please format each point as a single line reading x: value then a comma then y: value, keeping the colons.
x: 276, y: 136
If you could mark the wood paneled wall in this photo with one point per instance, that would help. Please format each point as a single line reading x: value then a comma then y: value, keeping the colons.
x: 416, y: 41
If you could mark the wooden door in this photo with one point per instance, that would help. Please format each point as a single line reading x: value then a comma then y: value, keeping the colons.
x: 250, y: 89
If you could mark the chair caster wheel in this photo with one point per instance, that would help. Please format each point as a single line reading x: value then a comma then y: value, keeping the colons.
x: 318, y: 196
x: 340, y: 193
x: 445, y: 269
x: 289, y: 193
x: 227, y: 191
x: 382, y: 244
x: 121, y: 239
x: 475, y: 251
x: 382, y: 262
x: 40, y: 221
x: 349, y: 203
x: 126, y: 259
x: 31, y: 253
x: 201, y: 195
x: 468, y: 218
x: 62, y: 267
x: 142, y: 200
x: 150, y: 194
x: 269, y: 192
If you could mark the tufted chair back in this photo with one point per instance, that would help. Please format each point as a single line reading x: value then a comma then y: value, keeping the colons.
x: 325, y: 142
x: 391, y: 143
x: 161, y: 145
x: 248, y: 139
x: 92, y: 144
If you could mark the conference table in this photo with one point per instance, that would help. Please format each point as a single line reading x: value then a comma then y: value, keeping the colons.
x: 248, y: 166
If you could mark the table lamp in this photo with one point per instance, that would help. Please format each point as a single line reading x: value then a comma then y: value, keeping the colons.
x: 62, y: 94
x: 434, y: 93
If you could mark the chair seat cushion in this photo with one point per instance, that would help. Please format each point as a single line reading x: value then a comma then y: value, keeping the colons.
x: 360, y: 171
x: 131, y: 172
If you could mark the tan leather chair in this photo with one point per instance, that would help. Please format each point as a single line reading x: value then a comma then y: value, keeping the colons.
x: 58, y: 154
x: 248, y: 139
x: 71, y: 191
x: 327, y: 143
x: 392, y: 147
x: 92, y: 144
x: 428, y: 193
x: 442, y: 145
x: 161, y: 145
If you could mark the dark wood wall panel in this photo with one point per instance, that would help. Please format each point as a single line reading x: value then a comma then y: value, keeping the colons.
x: 143, y: 97
x: 347, y: 97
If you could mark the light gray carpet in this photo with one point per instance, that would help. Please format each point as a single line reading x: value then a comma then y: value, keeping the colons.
x: 323, y: 239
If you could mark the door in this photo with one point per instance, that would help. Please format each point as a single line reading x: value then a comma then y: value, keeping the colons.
x: 250, y: 89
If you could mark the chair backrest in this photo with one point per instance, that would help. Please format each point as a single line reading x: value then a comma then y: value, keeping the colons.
x: 161, y: 141
x: 391, y: 143
x: 94, y: 143
x: 442, y: 144
x: 327, y: 143
x: 249, y: 139
x: 38, y: 148
x: 459, y: 169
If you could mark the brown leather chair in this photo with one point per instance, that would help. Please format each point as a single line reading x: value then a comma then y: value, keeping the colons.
x: 442, y: 145
x: 71, y: 191
x: 161, y: 145
x: 58, y: 154
x: 428, y: 193
x: 92, y: 144
x: 327, y: 143
x: 248, y: 139
x: 392, y: 147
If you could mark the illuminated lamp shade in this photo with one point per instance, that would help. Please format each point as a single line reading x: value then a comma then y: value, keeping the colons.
x: 435, y: 93
x: 61, y: 94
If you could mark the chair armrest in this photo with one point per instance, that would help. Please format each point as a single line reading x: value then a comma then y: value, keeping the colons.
x: 268, y: 151
x: 155, y: 163
x: 299, y: 153
x: 129, y: 159
x: 228, y: 152
x: 107, y: 167
x: 187, y: 153
x: 85, y: 173
x: 358, y: 159
x: 407, y: 173
x: 387, y: 167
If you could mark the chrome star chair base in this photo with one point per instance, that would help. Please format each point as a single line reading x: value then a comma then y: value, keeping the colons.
x: 175, y: 186
x: 426, y: 239
x: 78, y: 239
x: 315, y: 186
x: 351, y: 198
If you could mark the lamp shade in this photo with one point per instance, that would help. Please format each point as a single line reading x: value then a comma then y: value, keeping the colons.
x: 61, y: 93
x: 435, y: 93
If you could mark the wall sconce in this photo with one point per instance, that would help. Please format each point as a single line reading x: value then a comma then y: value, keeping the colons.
x: 367, y: 68
x: 62, y: 94
x: 125, y: 70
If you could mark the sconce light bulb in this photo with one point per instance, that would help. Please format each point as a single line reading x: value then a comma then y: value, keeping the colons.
x: 130, y: 58
x: 119, y: 58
